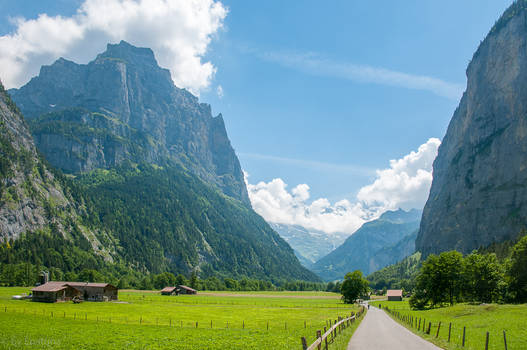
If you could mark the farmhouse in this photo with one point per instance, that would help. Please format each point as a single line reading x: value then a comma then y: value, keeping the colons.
x: 186, y: 290
x: 170, y: 291
x: 394, y: 294
x: 52, y: 292
x: 63, y: 291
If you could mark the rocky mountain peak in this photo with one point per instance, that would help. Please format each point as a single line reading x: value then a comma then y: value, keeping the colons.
x: 123, y: 107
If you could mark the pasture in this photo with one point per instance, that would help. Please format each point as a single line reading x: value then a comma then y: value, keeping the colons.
x: 477, y: 320
x: 147, y: 320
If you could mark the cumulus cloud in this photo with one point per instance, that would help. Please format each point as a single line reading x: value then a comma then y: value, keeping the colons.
x: 179, y: 32
x: 405, y: 184
x: 276, y: 204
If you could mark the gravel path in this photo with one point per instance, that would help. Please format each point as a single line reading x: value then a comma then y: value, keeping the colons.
x: 379, y: 332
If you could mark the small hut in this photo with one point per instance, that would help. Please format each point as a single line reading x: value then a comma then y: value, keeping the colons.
x: 170, y: 291
x: 186, y: 290
x: 394, y: 294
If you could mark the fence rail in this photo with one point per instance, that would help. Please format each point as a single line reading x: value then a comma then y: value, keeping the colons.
x: 338, y: 326
x: 420, y: 324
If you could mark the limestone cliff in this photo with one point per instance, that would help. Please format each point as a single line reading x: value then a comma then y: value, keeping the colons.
x: 479, y: 192
x: 123, y: 107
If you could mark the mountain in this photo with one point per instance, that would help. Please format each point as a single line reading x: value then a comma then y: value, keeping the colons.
x: 309, y: 245
x: 479, y: 191
x: 123, y: 107
x: 36, y: 203
x: 152, y: 183
x: 371, y: 246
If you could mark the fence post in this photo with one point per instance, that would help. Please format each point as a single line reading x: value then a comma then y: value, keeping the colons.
x: 429, y: 326
x: 304, y: 343
x: 419, y: 327
x: 268, y: 325
x: 438, y: 327
x: 449, y: 330
x: 464, y: 328
x: 505, y: 339
x: 304, y: 324
x: 196, y: 324
x: 487, y: 341
x: 326, y: 339
x: 319, y: 336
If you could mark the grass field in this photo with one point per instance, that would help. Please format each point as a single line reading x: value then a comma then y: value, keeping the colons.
x: 478, y: 319
x: 147, y: 320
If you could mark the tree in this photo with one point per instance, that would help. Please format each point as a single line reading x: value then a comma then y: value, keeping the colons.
x: 353, y: 286
x: 439, y: 280
x: 483, y: 277
x: 516, y: 271
x: 194, y: 280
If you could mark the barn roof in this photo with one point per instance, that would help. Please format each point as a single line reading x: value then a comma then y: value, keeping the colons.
x: 394, y: 293
x: 50, y: 287
x: 55, y: 286
x: 168, y: 289
x: 187, y: 288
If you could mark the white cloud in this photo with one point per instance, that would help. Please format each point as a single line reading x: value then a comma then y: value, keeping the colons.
x: 314, y: 64
x: 276, y: 204
x: 405, y: 184
x: 179, y: 32
x: 219, y: 91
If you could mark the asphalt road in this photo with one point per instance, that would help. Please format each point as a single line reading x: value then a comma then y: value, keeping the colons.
x: 379, y: 332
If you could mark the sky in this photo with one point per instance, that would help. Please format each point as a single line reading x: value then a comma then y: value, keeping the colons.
x: 336, y: 109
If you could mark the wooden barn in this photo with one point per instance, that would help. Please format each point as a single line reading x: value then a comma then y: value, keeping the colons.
x: 186, y: 290
x: 170, y: 291
x: 394, y: 294
x: 51, y: 291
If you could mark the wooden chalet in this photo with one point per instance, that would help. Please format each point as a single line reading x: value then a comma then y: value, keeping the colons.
x: 186, y: 290
x: 170, y: 291
x: 394, y: 294
x: 52, y: 292
x: 63, y: 291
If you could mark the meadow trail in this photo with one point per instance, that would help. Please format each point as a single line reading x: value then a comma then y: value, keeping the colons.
x: 378, y: 332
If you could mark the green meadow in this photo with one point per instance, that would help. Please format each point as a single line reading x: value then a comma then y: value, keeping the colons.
x: 148, y: 320
x: 477, y: 320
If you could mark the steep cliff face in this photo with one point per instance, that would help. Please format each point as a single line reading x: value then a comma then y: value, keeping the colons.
x: 31, y: 197
x: 123, y: 107
x: 479, y: 191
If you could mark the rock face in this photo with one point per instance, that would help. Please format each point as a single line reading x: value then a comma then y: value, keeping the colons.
x: 31, y: 197
x: 376, y: 244
x: 123, y: 107
x: 479, y: 192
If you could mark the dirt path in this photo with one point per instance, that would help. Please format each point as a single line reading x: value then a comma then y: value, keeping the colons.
x: 379, y: 332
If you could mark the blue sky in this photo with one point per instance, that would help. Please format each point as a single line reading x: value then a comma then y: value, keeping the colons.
x: 319, y: 93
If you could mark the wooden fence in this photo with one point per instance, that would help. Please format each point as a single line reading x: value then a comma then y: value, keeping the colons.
x: 329, y: 335
x: 421, y: 325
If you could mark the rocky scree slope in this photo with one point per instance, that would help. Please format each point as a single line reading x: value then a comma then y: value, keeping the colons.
x: 479, y: 192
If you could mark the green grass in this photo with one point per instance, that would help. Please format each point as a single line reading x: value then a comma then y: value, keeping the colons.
x: 478, y: 319
x: 148, y: 320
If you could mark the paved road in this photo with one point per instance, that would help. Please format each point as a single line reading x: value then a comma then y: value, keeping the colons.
x: 379, y: 332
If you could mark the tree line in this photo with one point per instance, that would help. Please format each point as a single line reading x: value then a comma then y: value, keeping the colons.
x: 449, y: 278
